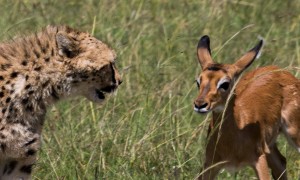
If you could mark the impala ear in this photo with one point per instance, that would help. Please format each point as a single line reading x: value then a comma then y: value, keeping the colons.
x: 67, y: 46
x: 246, y: 60
x: 203, y: 52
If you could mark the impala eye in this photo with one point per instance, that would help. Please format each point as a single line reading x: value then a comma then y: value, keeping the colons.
x: 224, y: 86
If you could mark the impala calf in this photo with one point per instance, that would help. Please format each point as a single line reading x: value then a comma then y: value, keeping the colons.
x: 246, y: 122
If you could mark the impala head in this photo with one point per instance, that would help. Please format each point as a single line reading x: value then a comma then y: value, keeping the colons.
x: 216, y: 80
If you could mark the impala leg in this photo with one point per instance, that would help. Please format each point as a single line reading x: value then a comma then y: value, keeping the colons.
x: 213, y: 163
x: 277, y: 163
x: 209, y: 175
x: 210, y: 172
x: 261, y: 168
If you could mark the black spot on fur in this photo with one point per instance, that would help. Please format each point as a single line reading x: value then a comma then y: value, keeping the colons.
x: 14, y: 74
x: 26, y: 169
x: 2, y: 136
x: 22, y: 123
x: 44, y: 50
x: 1, y: 94
x: 10, y: 167
x: 30, y: 152
x: 2, y: 147
x: 27, y: 86
x: 24, y: 63
x: 26, y: 53
x: 37, y: 54
x: 25, y: 101
x: 52, y: 52
x: 45, y: 84
x: 13, y: 132
x: 47, y: 59
x: 30, y: 92
x: 8, y: 100
x: 29, y: 107
x: 1, y: 78
x: 37, y: 68
x: 4, y: 67
x: 3, y: 110
x: 11, y: 108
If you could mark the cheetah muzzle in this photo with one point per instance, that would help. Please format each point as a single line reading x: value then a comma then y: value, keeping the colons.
x: 101, y: 92
x: 98, y: 95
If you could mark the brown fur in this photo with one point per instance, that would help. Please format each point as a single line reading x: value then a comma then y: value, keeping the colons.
x: 37, y: 71
x: 264, y: 103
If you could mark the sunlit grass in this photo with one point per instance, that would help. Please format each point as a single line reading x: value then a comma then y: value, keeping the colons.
x: 148, y: 129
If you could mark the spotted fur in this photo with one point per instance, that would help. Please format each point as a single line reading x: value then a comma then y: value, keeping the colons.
x: 37, y: 71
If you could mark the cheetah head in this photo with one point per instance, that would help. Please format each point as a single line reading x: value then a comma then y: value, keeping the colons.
x: 89, y: 63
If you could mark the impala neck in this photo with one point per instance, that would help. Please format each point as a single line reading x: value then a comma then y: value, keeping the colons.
x: 227, y: 115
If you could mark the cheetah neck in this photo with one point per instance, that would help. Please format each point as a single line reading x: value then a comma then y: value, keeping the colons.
x: 32, y: 77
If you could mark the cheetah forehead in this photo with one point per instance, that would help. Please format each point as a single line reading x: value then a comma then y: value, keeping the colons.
x: 111, y: 55
x: 107, y: 53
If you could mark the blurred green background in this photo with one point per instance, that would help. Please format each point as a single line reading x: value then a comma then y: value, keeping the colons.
x: 148, y: 130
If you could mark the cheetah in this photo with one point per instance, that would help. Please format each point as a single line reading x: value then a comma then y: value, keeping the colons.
x: 35, y: 72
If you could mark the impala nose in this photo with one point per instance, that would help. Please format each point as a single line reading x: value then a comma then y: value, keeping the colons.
x: 202, y: 106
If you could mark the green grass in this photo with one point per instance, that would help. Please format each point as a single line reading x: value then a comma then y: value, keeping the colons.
x: 148, y: 130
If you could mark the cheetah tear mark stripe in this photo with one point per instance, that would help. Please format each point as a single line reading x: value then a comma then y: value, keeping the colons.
x: 113, y: 73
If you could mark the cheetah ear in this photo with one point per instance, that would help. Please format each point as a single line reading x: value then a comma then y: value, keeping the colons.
x: 67, y: 46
